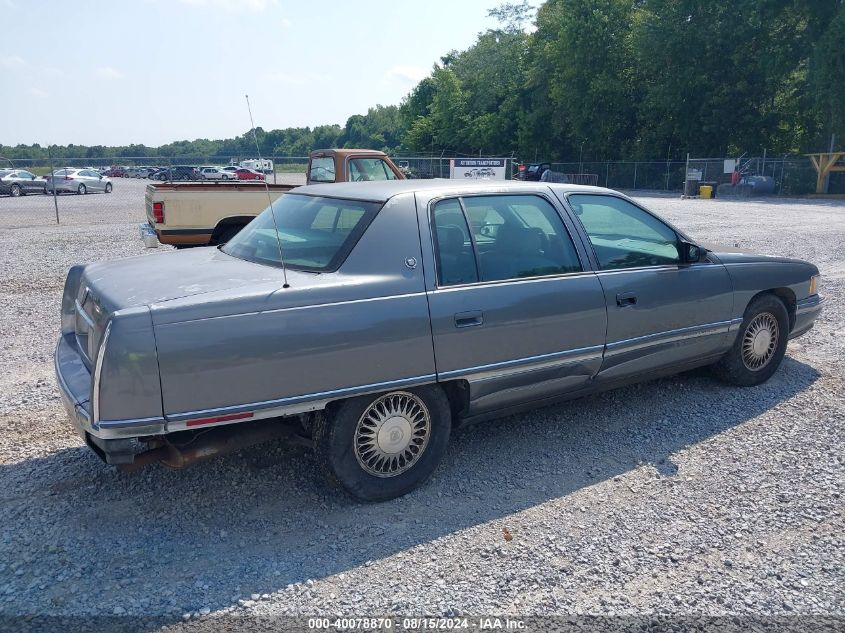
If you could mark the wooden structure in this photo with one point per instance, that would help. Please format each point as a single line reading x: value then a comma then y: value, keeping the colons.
x: 825, y: 163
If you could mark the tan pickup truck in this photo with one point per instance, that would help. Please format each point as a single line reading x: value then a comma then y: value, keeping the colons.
x: 212, y: 212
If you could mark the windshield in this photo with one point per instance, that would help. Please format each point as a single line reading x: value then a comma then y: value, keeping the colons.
x: 316, y: 233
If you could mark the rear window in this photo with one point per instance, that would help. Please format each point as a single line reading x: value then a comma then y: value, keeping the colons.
x: 316, y: 233
x: 322, y: 169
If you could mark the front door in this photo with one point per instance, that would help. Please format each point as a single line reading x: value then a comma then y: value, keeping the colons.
x: 514, y: 310
x: 660, y: 311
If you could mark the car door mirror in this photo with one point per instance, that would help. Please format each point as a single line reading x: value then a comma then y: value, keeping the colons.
x: 691, y: 253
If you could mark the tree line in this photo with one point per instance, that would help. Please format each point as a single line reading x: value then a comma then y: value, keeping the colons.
x: 602, y: 79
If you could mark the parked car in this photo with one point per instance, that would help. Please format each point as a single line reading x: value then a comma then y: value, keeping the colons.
x: 81, y: 181
x: 178, y: 172
x: 532, y: 171
x: 114, y: 172
x: 402, y: 310
x: 242, y: 173
x: 19, y: 182
x: 143, y: 171
x: 215, y: 173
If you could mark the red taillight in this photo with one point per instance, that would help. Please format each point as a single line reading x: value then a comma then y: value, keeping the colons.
x: 158, y: 212
x: 521, y: 167
x: 68, y: 177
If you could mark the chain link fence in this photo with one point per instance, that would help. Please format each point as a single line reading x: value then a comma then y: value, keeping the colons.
x: 129, y: 175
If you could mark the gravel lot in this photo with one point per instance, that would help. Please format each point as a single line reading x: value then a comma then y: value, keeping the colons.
x: 680, y: 496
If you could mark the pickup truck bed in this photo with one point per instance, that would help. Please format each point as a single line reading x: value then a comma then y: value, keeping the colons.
x: 202, y: 213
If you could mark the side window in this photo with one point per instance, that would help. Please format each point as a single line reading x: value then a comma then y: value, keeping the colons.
x: 453, y: 245
x: 623, y: 235
x: 322, y: 169
x: 520, y: 236
x: 369, y: 169
x: 25, y: 174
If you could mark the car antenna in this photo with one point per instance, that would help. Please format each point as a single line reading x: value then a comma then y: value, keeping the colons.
x: 269, y: 198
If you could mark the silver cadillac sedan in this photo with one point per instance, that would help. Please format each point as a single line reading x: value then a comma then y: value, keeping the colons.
x: 371, y: 319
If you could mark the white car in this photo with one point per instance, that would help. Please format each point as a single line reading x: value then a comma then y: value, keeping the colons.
x: 215, y: 173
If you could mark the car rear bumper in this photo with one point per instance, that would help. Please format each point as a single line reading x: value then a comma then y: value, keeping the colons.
x: 75, y: 386
x: 806, y: 312
x: 74, y: 382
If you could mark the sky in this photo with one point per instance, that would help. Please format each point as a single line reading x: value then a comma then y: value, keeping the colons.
x: 151, y: 72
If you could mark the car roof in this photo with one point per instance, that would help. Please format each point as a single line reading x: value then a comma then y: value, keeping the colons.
x: 383, y: 190
x: 346, y: 152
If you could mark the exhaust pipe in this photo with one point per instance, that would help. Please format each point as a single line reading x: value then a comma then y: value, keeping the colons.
x: 208, y: 444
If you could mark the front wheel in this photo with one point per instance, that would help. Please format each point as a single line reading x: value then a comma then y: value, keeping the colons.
x: 108, y: 187
x: 759, y: 346
x: 81, y: 190
x: 382, y: 447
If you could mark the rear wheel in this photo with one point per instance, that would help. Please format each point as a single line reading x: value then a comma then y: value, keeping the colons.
x: 81, y: 190
x: 760, y: 345
x: 381, y: 447
x: 16, y: 191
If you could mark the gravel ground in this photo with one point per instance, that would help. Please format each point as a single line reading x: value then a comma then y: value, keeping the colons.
x: 680, y: 496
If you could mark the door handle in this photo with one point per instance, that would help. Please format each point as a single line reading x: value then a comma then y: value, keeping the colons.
x: 626, y: 299
x: 469, y: 319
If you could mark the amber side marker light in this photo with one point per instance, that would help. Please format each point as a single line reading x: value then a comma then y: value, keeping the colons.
x: 814, y: 284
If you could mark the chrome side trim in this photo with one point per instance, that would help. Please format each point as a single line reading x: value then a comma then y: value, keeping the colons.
x: 98, y: 368
x: 122, y: 424
x: 117, y: 429
x: 812, y: 303
x: 485, y: 372
x: 735, y: 323
x: 409, y: 295
x: 79, y: 310
x: 299, y: 404
x: 512, y: 282
x: 669, y: 336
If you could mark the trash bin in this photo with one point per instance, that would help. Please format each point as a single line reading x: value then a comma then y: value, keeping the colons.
x: 691, y: 187
x: 705, y: 191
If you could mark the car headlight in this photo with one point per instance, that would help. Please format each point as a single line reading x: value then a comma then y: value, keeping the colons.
x: 814, y: 284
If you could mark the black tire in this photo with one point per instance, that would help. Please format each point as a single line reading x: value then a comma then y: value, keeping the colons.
x: 227, y: 233
x: 16, y: 191
x: 737, y: 365
x: 335, y: 444
x: 108, y: 187
x: 81, y: 190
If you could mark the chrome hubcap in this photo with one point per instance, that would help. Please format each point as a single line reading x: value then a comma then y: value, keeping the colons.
x: 760, y: 341
x: 392, y: 434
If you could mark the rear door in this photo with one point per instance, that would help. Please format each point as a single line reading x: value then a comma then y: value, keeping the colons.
x: 28, y: 182
x: 514, y: 309
x: 660, y: 311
